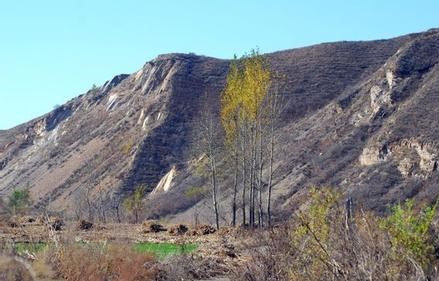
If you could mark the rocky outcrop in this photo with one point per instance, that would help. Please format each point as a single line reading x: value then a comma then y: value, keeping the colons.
x: 412, y: 156
x: 165, y: 183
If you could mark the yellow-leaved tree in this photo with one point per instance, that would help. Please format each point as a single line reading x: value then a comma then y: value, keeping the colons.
x: 244, y: 119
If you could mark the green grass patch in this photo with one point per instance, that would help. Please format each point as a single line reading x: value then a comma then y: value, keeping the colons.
x: 163, y: 250
x: 30, y: 247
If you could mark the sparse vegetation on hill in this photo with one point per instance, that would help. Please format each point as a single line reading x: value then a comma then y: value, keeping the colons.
x: 19, y: 201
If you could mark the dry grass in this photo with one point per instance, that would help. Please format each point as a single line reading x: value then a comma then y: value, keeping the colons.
x: 92, y: 262
x: 12, y: 269
x: 329, y: 245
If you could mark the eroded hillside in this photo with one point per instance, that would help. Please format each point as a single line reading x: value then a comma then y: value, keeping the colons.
x: 359, y: 116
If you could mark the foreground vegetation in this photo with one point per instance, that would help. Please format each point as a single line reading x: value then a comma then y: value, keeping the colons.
x: 324, y: 240
x: 328, y: 241
x: 98, y: 261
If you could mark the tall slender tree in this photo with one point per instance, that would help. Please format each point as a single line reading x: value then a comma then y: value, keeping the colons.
x: 242, y: 100
x: 230, y: 119
x: 210, y: 144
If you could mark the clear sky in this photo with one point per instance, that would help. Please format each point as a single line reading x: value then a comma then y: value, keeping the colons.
x: 54, y: 50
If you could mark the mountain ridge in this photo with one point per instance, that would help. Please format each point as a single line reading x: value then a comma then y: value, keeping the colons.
x: 340, y: 100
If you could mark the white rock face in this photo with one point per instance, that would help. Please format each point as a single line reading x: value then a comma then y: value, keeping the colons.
x: 428, y: 158
x: 408, y: 155
x: 379, y: 98
x: 141, y: 117
x: 139, y: 74
x: 111, y: 101
x: 405, y: 167
x: 40, y: 128
x: 145, y: 123
x: 48, y: 138
x: 369, y: 157
x: 165, y: 183
x: 389, y: 77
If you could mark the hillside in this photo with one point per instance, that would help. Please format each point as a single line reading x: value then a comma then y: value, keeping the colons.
x: 358, y: 116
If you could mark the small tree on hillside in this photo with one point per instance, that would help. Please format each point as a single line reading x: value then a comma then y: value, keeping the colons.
x: 133, y: 203
x: 19, y: 201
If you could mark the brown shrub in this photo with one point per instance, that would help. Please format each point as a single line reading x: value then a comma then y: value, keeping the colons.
x: 151, y: 227
x: 188, y: 267
x: 205, y: 229
x: 85, y: 225
x: 13, y: 270
x: 40, y: 220
x: 56, y: 223
x: 43, y: 266
x: 326, y: 242
x: 25, y: 219
x: 99, y: 263
x: 178, y: 229
x: 13, y: 224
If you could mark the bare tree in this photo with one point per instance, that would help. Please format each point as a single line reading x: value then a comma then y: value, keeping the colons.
x: 275, y: 108
x: 84, y: 205
x: 115, y: 205
x: 134, y: 202
x: 210, y: 144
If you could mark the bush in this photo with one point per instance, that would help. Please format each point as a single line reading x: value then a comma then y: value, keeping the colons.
x: 19, y: 201
x: 195, y: 192
x: 151, y: 227
x: 133, y: 203
x: 100, y: 262
x: 85, y: 225
x: 178, y: 229
x: 12, y: 270
x: 324, y: 241
x: 188, y: 267
x: 126, y: 148
x: 409, y: 229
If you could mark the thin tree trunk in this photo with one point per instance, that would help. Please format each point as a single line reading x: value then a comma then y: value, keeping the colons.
x: 235, y: 183
x: 136, y: 215
x: 261, y: 164
x: 214, y: 192
x: 251, y: 181
x: 104, y: 215
x: 118, y: 214
x: 244, y: 175
x: 252, y: 177
x: 270, y: 175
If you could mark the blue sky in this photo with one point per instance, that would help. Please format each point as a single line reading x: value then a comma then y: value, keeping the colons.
x: 54, y: 50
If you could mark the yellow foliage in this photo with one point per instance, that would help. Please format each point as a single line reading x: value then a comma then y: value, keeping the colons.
x: 313, y: 232
x: 126, y: 148
x: 247, y: 85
